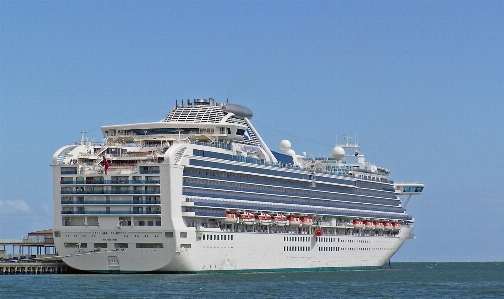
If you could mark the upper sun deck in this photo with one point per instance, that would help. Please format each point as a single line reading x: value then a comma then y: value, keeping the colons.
x: 200, y: 120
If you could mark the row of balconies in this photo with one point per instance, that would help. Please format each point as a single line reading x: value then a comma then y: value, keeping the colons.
x: 143, y: 169
x: 107, y: 210
x: 111, y: 202
x: 110, y: 192
x: 66, y: 181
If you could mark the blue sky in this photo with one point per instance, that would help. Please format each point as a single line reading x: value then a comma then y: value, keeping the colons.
x: 420, y: 83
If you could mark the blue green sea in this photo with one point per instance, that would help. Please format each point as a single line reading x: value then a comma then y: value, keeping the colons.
x: 401, y: 280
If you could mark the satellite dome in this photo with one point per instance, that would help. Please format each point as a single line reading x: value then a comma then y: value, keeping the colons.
x: 338, y: 152
x: 285, y: 145
x: 291, y: 153
x: 238, y: 110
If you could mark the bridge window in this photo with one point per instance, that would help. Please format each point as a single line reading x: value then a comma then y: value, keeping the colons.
x: 412, y: 189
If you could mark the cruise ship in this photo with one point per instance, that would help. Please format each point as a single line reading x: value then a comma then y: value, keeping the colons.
x: 201, y: 192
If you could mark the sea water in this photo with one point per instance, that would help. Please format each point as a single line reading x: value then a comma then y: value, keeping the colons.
x: 400, y: 280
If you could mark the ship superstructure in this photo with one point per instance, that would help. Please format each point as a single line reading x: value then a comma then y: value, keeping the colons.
x: 201, y: 191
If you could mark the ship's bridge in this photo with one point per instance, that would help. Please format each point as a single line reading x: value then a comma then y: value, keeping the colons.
x: 408, y: 188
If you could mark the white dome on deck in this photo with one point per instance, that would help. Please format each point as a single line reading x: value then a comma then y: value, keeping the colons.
x: 285, y: 145
x: 338, y: 152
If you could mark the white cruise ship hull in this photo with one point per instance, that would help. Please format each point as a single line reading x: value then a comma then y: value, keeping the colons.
x: 246, y: 252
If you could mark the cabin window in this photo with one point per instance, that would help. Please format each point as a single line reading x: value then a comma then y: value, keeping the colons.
x: 100, y: 245
x: 149, y: 245
x: 120, y: 245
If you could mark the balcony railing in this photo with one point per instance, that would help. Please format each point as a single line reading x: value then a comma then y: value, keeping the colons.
x: 111, y: 212
x: 112, y: 192
x: 114, y: 182
x: 111, y: 202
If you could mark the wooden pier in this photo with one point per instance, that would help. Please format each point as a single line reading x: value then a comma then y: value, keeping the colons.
x: 9, y: 268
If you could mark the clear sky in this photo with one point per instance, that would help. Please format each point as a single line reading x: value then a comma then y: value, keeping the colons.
x: 420, y: 83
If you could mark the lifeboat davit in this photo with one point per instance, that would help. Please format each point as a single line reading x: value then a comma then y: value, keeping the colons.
x: 378, y: 225
x: 247, y: 218
x: 280, y: 220
x: 387, y: 225
x: 358, y: 224
x: 306, y: 221
x: 369, y: 224
x: 294, y: 221
x: 396, y: 226
x: 265, y: 219
x: 231, y: 218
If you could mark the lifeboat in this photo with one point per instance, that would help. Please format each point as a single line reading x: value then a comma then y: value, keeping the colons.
x: 265, y: 219
x: 318, y: 232
x: 396, y: 226
x: 387, y: 226
x: 231, y: 218
x: 247, y: 218
x: 280, y: 220
x: 378, y: 225
x: 306, y: 221
x: 294, y: 221
x: 358, y: 224
x: 369, y: 224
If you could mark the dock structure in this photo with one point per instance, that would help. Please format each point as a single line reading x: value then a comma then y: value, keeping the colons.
x: 35, y: 254
x: 38, y: 267
x: 39, y: 243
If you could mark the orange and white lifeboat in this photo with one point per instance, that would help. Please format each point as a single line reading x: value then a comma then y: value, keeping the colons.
x: 396, y: 226
x: 265, y: 219
x: 387, y: 226
x: 378, y: 225
x: 231, y: 218
x: 280, y: 220
x: 358, y: 224
x: 247, y: 218
x: 306, y: 221
x: 294, y: 221
x: 369, y: 224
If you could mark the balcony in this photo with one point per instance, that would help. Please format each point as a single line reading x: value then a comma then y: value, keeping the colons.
x: 111, y: 182
x: 109, y: 202
x: 111, y: 212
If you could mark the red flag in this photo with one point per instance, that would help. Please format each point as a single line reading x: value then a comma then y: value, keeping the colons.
x: 105, y: 164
